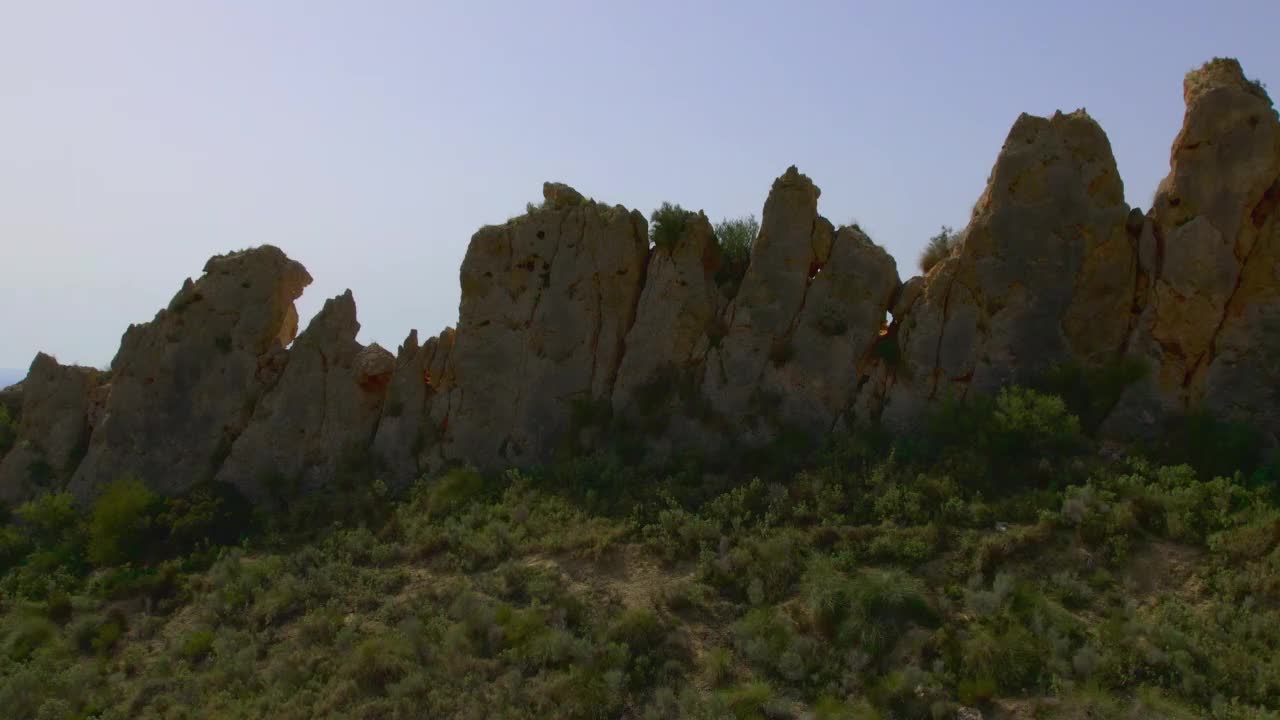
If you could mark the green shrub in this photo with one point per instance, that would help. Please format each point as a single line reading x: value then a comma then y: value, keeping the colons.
x: 453, y: 490
x: 197, y: 645
x: 1090, y: 393
x: 749, y: 701
x: 667, y: 224
x: 51, y: 519
x: 869, y: 610
x: 647, y: 642
x: 736, y: 238
x: 938, y: 248
x: 1028, y: 424
x: 122, y: 523
x: 23, y: 634
x: 58, y: 606
x: 213, y: 513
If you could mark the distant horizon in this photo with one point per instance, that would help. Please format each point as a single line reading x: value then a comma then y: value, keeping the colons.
x: 369, y: 146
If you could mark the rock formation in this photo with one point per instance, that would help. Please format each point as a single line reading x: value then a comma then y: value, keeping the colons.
x: 573, y: 331
x: 547, y: 299
x: 1044, y: 275
x: 318, y: 420
x: 54, y: 428
x: 407, y: 433
x: 184, y: 385
x: 1209, y: 323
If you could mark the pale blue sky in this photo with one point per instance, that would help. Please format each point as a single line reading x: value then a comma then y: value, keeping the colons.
x: 370, y: 139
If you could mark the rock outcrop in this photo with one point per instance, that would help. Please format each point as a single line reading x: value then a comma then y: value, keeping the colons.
x: 1045, y: 273
x: 573, y: 331
x: 547, y: 299
x: 318, y: 421
x: 184, y: 385
x: 54, y: 428
x: 407, y: 434
x: 1210, y: 278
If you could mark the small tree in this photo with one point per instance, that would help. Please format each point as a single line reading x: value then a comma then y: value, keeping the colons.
x: 736, y: 237
x: 939, y: 247
x: 667, y: 224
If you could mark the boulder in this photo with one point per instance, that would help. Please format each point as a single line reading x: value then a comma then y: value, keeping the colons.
x: 184, y: 385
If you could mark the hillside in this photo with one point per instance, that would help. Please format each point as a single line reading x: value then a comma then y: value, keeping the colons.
x: 996, y: 566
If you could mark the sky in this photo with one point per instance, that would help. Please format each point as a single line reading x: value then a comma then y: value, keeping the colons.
x: 369, y: 140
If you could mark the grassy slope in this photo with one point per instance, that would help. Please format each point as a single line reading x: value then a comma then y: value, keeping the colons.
x: 1019, y: 573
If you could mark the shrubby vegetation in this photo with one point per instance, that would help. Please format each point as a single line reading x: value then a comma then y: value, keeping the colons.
x: 939, y: 247
x: 736, y: 237
x: 997, y: 560
x: 667, y: 223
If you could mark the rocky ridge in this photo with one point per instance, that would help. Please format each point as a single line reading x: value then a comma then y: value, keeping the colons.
x: 571, y: 326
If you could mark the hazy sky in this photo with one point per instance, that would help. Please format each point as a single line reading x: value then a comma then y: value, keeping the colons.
x: 370, y: 139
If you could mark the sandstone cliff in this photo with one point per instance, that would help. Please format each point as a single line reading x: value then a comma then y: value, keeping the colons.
x: 572, y: 330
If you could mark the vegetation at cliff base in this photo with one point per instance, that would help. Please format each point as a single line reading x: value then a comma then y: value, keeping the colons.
x: 1000, y: 562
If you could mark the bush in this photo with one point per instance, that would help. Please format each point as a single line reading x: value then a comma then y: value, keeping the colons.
x: 736, y: 238
x: 51, y: 519
x: 23, y: 634
x: 667, y: 225
x: 1029, y: 424
x: 453, y: 490
x: 939, y: 247
x: 209, y: 514
x: 1090, y: 393
x: 197, y: 645
x: 122, y: 523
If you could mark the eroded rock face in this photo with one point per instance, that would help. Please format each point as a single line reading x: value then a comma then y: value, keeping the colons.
x: 318, y: 421
x: 1045, y: 275
x: 184, y: 385
x: 547, y: 300
x: 679, y: 306
x: 54, y: 429
x: 407, y: 438
x: 1210, y: 322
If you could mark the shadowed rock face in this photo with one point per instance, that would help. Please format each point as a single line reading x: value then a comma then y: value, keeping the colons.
x: 184, y: 385
x: 319, y: 419
x: 547, y: 299
x: 568, y: 319
x: 1045, y: 274
x: 407, y: 434
x: 1210, y: 315
x: 54, y: 429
